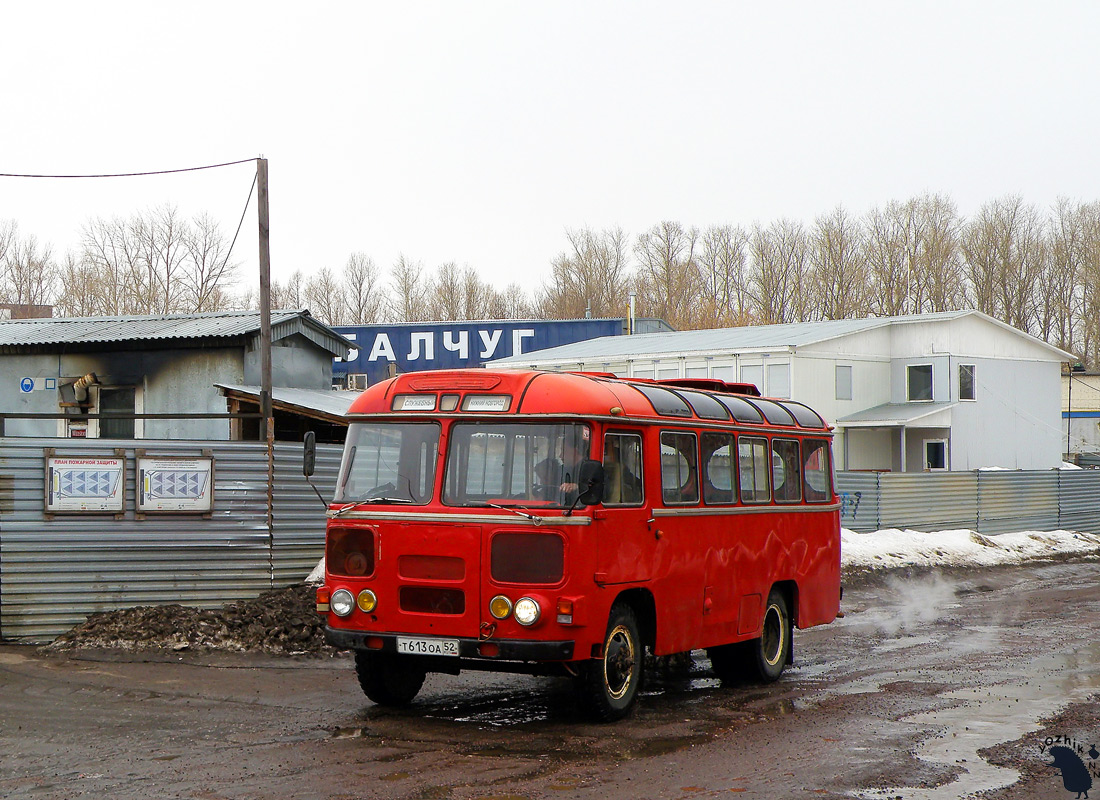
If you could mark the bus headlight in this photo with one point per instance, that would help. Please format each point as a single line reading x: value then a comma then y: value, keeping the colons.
x: 527, y: 611
x: 341, y: 602
x: 367, y: 601
x: 500, y: 607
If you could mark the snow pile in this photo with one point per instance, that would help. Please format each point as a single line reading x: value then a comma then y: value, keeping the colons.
x: 897, y: 549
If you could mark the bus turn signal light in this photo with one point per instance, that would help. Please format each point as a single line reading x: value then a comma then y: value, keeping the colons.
x: 565, y: 612
x: 322, y: 599
x: 367, y: 601
x: 500, y: 607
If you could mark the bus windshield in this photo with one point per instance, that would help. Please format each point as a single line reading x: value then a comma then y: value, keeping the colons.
x: 389, y: 462
x: 515, y: 464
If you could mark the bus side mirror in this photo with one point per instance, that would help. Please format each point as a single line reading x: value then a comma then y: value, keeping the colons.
x: 309, y: 453
x: 590, y: 483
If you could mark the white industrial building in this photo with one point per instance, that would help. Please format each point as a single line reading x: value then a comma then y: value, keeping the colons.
x: 956, y: 390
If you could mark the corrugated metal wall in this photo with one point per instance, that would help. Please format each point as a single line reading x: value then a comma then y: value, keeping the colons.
x: 989, y: 501
x: 298, y: 515
x: 55, y: 572
x: 859, y: 497
x: 1014, y: 501
x: 1079, y: 500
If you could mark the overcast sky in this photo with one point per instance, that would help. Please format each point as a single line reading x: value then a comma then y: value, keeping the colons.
x: 480, y: 132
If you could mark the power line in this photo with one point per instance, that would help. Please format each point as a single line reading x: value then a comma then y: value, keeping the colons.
x: 131, y: 174
x: 239, y: 224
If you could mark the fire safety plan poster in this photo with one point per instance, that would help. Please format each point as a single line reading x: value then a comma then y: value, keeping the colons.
x: 175, y: 485
x: 84, y: 485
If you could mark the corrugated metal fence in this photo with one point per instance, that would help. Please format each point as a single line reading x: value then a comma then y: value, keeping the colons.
x: 55, y: 572
x: 988, y: 501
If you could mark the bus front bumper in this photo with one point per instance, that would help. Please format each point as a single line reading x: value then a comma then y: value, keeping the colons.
x: 480, y: 649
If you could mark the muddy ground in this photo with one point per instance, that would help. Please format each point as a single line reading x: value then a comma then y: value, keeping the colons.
x: 932, y: 686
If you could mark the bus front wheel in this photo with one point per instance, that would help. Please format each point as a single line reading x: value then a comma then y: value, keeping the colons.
x: 388, y: 679
x: 609, y: 685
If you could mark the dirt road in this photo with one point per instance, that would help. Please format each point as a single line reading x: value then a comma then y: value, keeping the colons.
x: 901, y: 698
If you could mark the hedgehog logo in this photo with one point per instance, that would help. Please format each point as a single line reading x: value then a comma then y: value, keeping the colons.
x: 1075, y: 775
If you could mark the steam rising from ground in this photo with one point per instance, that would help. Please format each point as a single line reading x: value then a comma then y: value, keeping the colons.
x: 908, y: 605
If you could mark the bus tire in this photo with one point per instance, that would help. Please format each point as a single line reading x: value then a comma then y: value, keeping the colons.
x: 609, y: 685
x: 769, y: 654
x: 388, y: 679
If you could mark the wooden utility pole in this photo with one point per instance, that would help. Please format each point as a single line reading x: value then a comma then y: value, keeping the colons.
x: 267, y: 422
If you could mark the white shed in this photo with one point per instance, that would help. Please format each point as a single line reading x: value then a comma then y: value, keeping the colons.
x: 956, y: 390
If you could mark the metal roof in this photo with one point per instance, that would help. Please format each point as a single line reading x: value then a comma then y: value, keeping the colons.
x: 898, y: 415
x: 324, y: 403
x: 763, y: 338
x: 168, y: 327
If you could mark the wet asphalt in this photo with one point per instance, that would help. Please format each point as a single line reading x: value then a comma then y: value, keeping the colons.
x: 931, y: 686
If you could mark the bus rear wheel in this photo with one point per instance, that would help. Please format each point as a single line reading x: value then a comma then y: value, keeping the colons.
x: 388, y: 679
x: 769, y: 654
x: 609, y: 685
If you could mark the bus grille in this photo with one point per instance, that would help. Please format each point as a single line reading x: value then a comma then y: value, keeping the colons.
x: 432, y: 600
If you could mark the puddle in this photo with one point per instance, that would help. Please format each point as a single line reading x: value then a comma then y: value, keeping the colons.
x: 988, y: 715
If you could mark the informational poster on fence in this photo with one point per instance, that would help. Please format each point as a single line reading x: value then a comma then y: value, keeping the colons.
x: 84, y: 485
x: 175, y: 485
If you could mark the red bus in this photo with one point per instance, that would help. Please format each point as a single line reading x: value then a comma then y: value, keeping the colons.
x: 562, y: 523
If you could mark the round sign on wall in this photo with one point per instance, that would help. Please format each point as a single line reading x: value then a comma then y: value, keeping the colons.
x: 26, y: 385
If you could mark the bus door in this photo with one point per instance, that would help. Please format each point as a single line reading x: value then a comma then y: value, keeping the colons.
x: 627, y: 547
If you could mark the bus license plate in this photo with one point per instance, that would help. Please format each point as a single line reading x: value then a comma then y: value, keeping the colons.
x: 428, y: 647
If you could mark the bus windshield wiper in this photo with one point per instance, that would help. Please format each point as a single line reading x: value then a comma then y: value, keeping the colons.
x: 536, y: 519
x: 369, y: 501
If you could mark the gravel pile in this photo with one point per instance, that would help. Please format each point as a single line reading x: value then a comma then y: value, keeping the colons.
x: 280, y: 621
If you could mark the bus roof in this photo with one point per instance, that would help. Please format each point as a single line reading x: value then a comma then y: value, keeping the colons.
x: 494, y: 391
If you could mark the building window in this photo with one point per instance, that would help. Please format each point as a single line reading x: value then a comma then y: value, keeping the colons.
x: 753, y: 374
x: 779, y: 380
x: 966, y: 381
x: 843, y: 382
x: 935, y: 454
x: 117, y: 400
x: 919, y: 382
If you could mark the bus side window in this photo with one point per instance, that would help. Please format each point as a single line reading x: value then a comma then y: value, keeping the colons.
x: 679, y: 475
x: 622, y: 466
x: 786, y: 471
x: 816, y: 470
x: 752, y: 455
x: 718, y: 468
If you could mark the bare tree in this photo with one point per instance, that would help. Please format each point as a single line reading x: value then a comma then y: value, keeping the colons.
x: 291, y: 294
x: 780, y: 264
x: 154, y: 263
x: 588, y: 278
x: 937, y: 279
x: 80, y: 297
x: 889, y: 253
x: 209, y: 274
x: 410, y: 291
x: 28, y: 272
x: 668, y: 280
x: 446, y: 295
x: 722, y: 262
x: 365, y: 295
x: 839, y: 267
x: 1005, y: 253
x: 1060, y: 290
x: 324, y: 295
x: 511, y: 303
